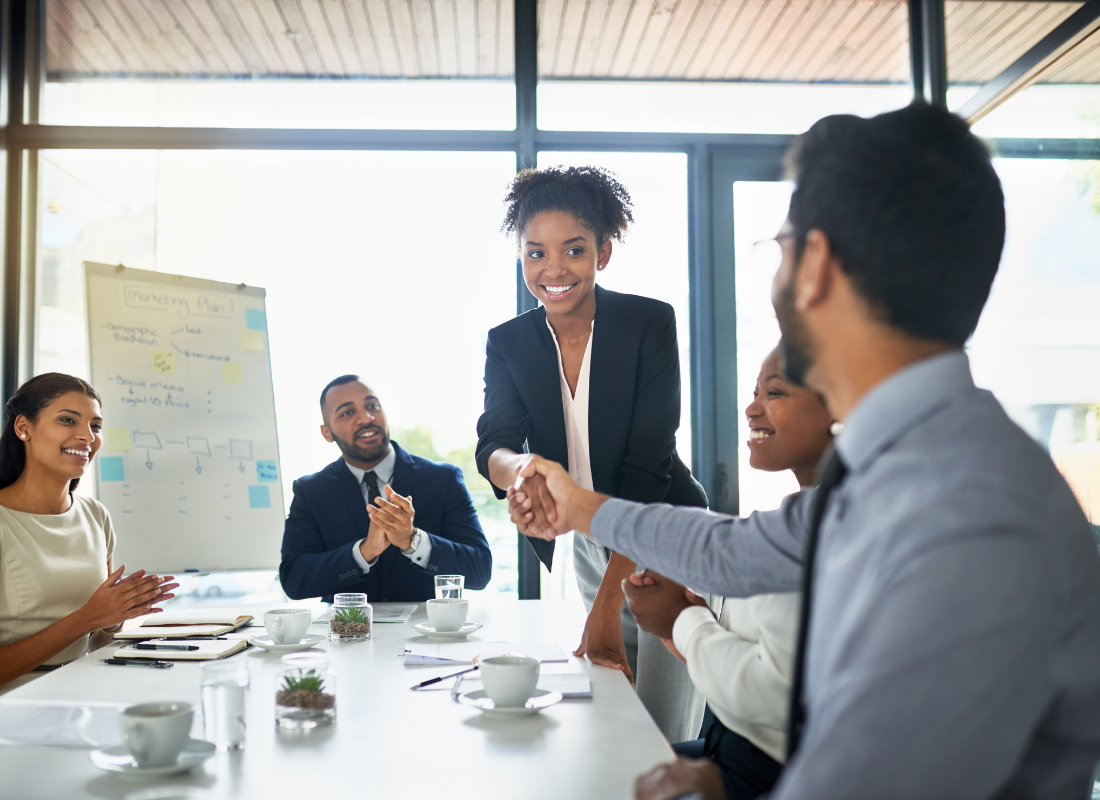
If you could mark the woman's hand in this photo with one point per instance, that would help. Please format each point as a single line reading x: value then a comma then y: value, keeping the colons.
x: 683, y: 777
x: 118, y: 599
x: 602, y: 642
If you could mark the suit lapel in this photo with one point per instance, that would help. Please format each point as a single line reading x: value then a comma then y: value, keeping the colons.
x: 352, y: 496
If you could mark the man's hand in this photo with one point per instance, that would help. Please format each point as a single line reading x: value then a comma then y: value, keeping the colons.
x: 656, y: 602
x: 684, y: 776
x: 394, y: 516
x: 602, y: 642
x: 376, y: 542
x: 530, y: 513
x: 573, y: 507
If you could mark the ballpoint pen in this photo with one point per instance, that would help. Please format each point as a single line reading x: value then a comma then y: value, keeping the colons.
x: 165, y: 647
x: 137, y: 662
x: 192, y: 639
x: 422, y: 684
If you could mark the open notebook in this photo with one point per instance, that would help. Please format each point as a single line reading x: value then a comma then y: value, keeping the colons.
x: 188, y: 622
x: 205, y: 650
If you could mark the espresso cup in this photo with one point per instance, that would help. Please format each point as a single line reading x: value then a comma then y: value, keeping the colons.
x: 287, y: 625
x: 447, y: 615
x: 156, y: 733
x: 509, y: 680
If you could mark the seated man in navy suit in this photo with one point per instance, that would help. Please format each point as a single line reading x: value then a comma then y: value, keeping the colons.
x: 353, y: 526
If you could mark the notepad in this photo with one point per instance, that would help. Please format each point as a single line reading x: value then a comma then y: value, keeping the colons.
x: 393, y: 612
x: 207, y: 651
x: 449, y: 653
x: 193, y: 622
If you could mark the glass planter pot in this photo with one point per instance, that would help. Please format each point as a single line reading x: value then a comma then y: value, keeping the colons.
x: 352, y: 618
x: 305, y: 692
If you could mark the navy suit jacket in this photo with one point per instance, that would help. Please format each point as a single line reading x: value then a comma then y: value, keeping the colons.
x: 328, y: 514
x: 633, y: 401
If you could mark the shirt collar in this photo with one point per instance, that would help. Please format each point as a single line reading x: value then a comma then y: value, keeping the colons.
x: 383, y: 469
x: 898, y: 403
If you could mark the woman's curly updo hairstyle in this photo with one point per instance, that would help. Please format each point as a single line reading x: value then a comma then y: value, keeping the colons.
x: 28, y: 401
x: 591, y: 194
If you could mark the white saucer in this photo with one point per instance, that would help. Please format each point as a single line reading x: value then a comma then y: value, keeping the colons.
x: 118, y: 759
x: 267, y: 643
x: 538, y: 701
x: 461, y: 633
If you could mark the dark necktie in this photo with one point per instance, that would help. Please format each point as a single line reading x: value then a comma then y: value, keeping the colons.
x: 370, y: 480
x: 831, y: 474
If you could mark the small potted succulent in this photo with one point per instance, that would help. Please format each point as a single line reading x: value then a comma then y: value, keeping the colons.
x: 305, y: 693
x: 352, y: 618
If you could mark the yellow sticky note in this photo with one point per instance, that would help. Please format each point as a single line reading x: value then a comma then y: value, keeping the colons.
x: 116, y: 438
x: 232, y: 372
x: 164, y: 361
x: 252, y: 340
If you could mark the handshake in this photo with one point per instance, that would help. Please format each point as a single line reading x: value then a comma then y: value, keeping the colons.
x: 544, y: 502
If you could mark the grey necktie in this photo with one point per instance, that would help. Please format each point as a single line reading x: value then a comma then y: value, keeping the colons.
x: 831, y: 474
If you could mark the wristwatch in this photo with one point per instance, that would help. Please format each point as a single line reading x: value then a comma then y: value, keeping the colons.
x: 413, y: 543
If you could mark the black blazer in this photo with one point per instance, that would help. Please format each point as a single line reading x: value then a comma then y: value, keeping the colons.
x: 634, y: 401
x: 328, y: 514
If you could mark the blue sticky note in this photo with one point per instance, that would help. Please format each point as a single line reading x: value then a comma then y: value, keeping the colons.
x: 111, y: 468
x: 255, y: 319
x: 259, y: 497
x: 266, y: 472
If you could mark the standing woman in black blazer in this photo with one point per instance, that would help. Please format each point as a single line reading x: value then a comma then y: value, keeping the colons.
x: 591, y: 380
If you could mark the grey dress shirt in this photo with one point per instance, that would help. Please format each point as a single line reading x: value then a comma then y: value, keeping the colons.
x: 954, y: 649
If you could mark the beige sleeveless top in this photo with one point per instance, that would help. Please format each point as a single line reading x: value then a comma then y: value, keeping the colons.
x: 50, y: 565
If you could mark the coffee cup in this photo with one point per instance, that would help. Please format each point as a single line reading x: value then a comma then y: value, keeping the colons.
x: 287, y: 625
x: 156, y: 733
x: 509, y: 680
x: 447, y: 615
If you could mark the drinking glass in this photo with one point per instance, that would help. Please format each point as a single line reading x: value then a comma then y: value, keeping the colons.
x: 224, y: 696
x: 449, y: 587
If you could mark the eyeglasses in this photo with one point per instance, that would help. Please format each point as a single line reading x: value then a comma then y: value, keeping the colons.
x: 767, y: 254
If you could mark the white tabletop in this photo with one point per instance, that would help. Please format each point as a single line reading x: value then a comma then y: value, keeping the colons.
x: 388, y: 741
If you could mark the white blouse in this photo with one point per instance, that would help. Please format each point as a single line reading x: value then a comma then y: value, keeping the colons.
x: 576, y: 414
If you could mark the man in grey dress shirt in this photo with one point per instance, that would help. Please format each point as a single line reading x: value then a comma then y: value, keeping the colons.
x: 954, y: 640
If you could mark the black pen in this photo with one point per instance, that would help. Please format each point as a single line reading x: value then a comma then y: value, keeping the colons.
x: 137, y: 662
x: 165, y: 647
x: 422, y: 684
x: 192, y: 639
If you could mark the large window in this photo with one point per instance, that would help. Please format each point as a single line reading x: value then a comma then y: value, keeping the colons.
x: 371, y: 262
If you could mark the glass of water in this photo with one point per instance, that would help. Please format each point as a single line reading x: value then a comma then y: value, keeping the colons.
x: 449, y: 587
x: 224, y: 696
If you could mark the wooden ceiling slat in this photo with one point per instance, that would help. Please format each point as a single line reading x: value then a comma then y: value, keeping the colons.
x: 164, y: 35
x: 825, y: 31
x: 320, y: 32
x: 404, y: 37
x: 298, y: 31
x: 381, y: 25
x: 148, y: 38
x: 443, y: 14
x: 67, y: 57
x: 713, y: 44
x: 821, y: 65
x: 1081, y: 65
x: 167, y: 18
x: 132, y: 38
x: 756, y: 37
x: 506, y: 39
x: 588, y: 46
x: 990, y: 37
x: 569, y: 37
x: 964, y: 25
x: 626, y: 49
x: 672, y: 41
x: 343, y: 36
x: 212, y: 56
x: 466, y: 36
x: 422, y: 15
x: 618, y: 13
x: 1012, y: 41
x: 129, y: 60
x: 488, y: 17
x: 229, y: 16
x: 84, y: 31
x: 276, y: 27
x: 549, y: 41
x: 230, y: 52
x: 359, y: 39
x: 688, y: 47
x: 863, y: 35
x: 262, y: 37
x: 790, y: 35
x: 656, y: 25
x: 890, y: 35
x: 738, y: 37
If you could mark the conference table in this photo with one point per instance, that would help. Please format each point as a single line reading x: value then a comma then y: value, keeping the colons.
x: 387, y: 742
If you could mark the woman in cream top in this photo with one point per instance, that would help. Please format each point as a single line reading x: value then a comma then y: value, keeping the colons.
x: 58, y: 585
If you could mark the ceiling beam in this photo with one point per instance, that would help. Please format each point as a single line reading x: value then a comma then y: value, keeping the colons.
x: 1041, y: 59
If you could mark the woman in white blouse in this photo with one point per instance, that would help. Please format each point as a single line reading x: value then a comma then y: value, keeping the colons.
x: 741, y: 661
x: 58, y: 583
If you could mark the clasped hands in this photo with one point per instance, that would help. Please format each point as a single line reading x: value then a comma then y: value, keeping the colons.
x: 391, y: 522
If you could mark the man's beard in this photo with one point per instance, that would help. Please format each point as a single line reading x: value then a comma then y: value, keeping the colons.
x: 373, y: 453
x: 795, y: 347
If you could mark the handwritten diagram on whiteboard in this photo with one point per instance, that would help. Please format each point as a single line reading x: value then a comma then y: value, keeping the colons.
x: 189, y: 467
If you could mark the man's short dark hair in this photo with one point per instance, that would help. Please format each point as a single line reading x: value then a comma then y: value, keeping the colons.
x: 336, y: 382
x: 913, y: 210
